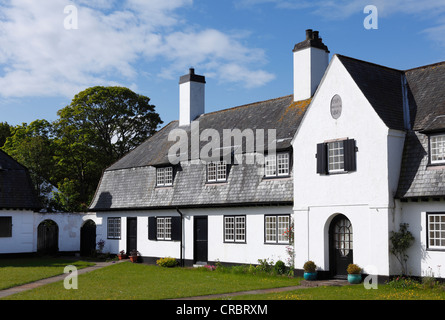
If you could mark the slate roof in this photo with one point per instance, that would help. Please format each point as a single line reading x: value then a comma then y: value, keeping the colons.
x: 16, y: 189
x: 427, y: 103
x: 130, y: 183
x: 381, y: 86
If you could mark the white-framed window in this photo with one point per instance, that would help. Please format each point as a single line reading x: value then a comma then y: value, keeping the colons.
x: 164, y: 228
x: 277, y: 165
x: 437, y: 149
x: 114, y: 228
x: 217, y: 171
x: 336, y: 158
x: 436, y: 230
x: 234, y: 228
x: 275, y: 227
x: 164, y: 176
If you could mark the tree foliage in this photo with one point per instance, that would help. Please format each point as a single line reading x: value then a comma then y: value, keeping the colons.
x: 99, y: 126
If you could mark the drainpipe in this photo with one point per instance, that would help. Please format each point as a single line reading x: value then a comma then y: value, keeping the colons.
x: 180, y: 251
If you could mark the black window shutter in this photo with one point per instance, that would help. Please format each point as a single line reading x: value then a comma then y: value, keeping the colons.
x: 152, y: 228
x: 6, y: 227
x: 322, y: 158
x: 350, y: 155
x: 176, y: 228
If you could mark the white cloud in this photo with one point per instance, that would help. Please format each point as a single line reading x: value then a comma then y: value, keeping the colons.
x: 39, y: 57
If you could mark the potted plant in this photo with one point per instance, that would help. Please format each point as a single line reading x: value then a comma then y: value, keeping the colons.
x: 310, y: 272
x: 354, y: 273
x: 134, y: 255
x: 122, y: 255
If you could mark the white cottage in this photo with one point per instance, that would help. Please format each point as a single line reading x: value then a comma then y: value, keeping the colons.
x: 360, y: 149
x: 26, y: 230
x: 348, y: 150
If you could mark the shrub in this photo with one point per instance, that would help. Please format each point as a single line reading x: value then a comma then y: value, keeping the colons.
x: 280, y: 267
x: 309, y: 266
x: 264, y: 265
x: 402, y: 282
x: 353, y: 269
x: 167, y: 262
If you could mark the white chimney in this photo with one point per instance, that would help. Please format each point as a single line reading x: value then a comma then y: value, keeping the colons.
x: 191, y: 97
x: 311, y: 58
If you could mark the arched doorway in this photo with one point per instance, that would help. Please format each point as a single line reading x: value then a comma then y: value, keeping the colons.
x: 88, y: 238
x: 48, y: 237
x: 340, y: 246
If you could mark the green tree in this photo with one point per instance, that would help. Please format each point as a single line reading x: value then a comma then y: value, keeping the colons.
x: 5, y: 132
x: 32, y: 146
x: 100, y: 126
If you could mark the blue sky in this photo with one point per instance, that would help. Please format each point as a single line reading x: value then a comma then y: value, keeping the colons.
x: 243, y: 47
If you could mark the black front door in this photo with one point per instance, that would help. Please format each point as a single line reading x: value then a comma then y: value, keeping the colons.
x: 48, y: 237
x: 88, y: 238
x: 201, y: 239
x: 340, y: 244
x: 131, y: 234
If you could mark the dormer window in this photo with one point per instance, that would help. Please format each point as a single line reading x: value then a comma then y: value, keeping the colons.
x: 164, y: 176
x: 217, y: 171
x: 277, y: 165
x: 437, y: 149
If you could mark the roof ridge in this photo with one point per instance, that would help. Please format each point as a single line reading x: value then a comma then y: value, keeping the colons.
x: 247, y: 105
x: 367, y: 62
x: 427, y: 66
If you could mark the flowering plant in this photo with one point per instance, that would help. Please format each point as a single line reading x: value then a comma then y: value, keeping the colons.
x: 210, y: 267
x: 289, y: 233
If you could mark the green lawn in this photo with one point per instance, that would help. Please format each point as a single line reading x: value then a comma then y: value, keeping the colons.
x: 148, y: 282
x: 351, y: 292
x: 18, y: 271
x: 128, y: 281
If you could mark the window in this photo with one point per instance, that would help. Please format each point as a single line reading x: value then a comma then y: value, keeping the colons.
x: 276, y: 165
x: 164, y: 176
x: 5, y: 227
x: 217, y: 171
x: 336, y: 156
x: 336, y: 160
x: 234, y: 228
x: 275, y: 228
x: 437, y: 149
x: 436, y: 231
x: 164, y: 228
x: 114, y: 228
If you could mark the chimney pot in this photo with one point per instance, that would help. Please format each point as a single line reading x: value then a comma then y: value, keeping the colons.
x: 308, y: 34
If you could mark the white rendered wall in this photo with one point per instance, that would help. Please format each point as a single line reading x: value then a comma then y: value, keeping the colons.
x: 422, y: 261
x: 25, y: 225
x: 243, y: 253
x: 22, y: 239
x: 364, y: 196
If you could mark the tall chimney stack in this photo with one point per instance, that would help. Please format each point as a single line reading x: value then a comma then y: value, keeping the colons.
x: 311, y: 58
x: 191, y: 97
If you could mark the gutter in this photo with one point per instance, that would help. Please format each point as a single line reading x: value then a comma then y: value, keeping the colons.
x: 180, y: 250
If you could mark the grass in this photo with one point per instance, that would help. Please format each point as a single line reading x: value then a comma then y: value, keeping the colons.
x: 351, y: 292
x: 18, y: 271
x: 128, y: 281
